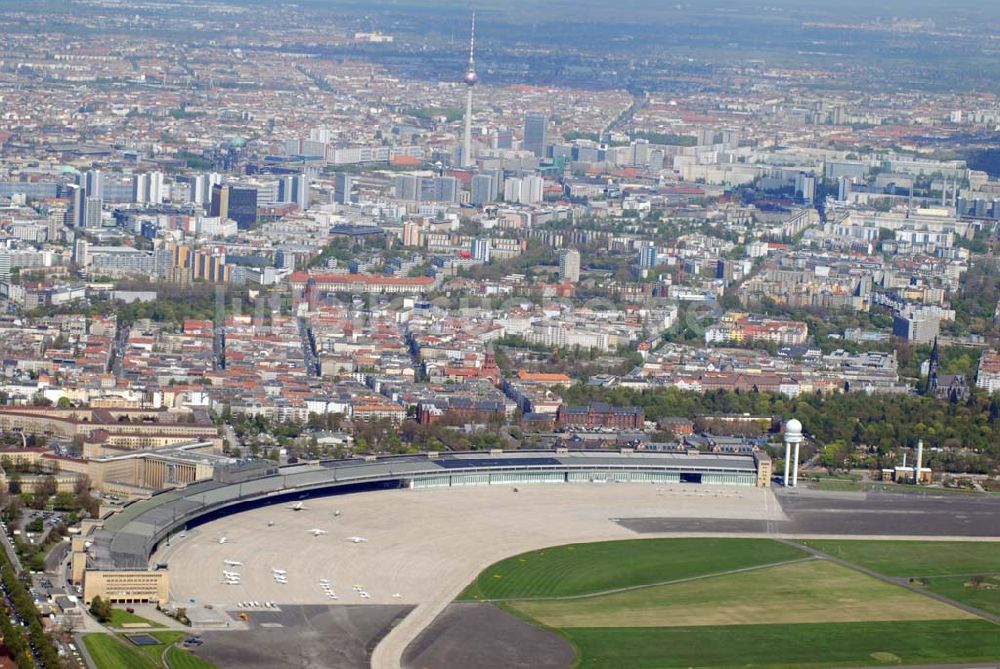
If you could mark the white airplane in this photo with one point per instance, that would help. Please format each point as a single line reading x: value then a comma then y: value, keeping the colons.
x: 233, y: 583
x: 298, y: 506
x: 357, y: 540
x: 230, y: 574
x: 364, y: 595
x: 324, y: 580
x: 316, y: 531
x: 223, y: 540
x: 270, y: 523
x: 232, y: 563
x: 396, y: 595
x: 278, y: 572
x: 336, y: 514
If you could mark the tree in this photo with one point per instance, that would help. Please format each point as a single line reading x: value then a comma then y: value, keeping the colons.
x: 100, y: 609
x: 47, y: 487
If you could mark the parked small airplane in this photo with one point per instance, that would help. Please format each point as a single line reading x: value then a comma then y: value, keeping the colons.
x: 357, y: 540
x: 316, y: 531
x: 232, y: 563
x: 298, y: 506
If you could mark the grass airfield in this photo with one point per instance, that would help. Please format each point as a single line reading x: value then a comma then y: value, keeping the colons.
x: 726, y: 603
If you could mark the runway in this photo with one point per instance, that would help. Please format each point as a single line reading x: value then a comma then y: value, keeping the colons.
x: 422, y: 545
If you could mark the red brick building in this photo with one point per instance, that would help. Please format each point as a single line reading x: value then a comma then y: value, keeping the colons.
x: 602, y: 415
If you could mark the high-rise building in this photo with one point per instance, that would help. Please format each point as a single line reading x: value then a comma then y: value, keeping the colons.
x: 220, y: 201
x: 532, y: 190
x: 94, y: 183
x: 481, y: 249
x: 483, y: 189
x: 294, y: 189
x: 805, y: 187
x: 535, y: 130
x: 80, y: 252
x: 140, y: 188
x: 4, y: 264
x: 469, y: 80
x: 92, y: 217
x: 198, y: 185
x: 156, y: 191
x: 236, y: 202
x: 343, y: 185
x: 411, y: 234
x: 512, y: 190
x: 504, y: 138
x: 243, y: 206
x: 407, y: 187
x: 446, y: 189
x: 569, y: 265
x: 526, y: 190
x: 77, y: 212
x: 844, y: 186
x: 210, y: 265
x: 647, y: 256
x: 300, y: 191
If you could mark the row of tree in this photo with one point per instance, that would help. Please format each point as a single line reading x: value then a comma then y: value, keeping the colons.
x: 21, y: 600
x: 962, y: 437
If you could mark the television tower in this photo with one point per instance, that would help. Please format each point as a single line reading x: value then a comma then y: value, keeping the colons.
x: 470, y: 80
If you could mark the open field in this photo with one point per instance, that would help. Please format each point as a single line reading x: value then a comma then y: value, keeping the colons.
x: 801, y: 646
x: 120, y: 617
x: 968, y: 572
x: 109, y: 652
x: 155, y: 652
x: 812, y: 591
x: 580, y: 569
x: 916, y: 558
x: 178, y: 658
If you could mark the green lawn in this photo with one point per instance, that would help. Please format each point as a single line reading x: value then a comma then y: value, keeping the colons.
x: 121, y: 617
x: 578, y: 569
x: 966, y: 571
x: 110, y: 652
x: 178, y: 658
x: 916, y: 558
x: 114, y: 652
x: 802, y: 646
x: 166, y: 639
x: 812, y: 591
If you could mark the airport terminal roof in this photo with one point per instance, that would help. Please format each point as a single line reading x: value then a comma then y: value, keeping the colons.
x: 129, y: 536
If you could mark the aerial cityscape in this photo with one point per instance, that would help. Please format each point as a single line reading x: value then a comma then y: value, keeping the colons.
x: 453, y: 335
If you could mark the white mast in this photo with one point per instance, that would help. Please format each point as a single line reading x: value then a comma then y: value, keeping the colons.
x: 470, y: 80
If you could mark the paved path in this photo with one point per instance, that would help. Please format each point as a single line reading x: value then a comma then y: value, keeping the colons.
x: 82, y: 649
x: 902, y: 582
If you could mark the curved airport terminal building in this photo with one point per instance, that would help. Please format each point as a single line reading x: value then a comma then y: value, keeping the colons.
x: 114, y: 560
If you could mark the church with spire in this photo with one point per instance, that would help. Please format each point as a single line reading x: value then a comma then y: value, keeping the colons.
x: 952, y: 387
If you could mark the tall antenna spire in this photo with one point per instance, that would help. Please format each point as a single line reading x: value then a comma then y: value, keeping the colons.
x: 470, y: 73
x: 472, y: 42
x: 469, y: 80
